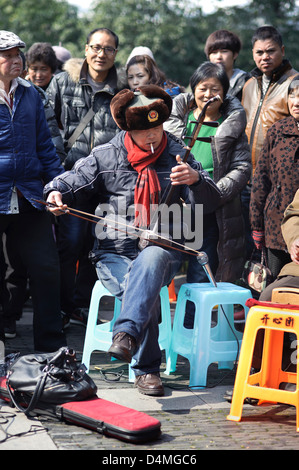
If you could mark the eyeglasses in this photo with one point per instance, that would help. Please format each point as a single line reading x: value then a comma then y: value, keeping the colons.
x: 110, y: 51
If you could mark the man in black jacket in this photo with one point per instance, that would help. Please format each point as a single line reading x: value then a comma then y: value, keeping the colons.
x: 130, y: 176
x: 81, y: 99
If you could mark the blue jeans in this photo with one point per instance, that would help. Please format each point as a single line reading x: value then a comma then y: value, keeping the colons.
x: 138, y: 283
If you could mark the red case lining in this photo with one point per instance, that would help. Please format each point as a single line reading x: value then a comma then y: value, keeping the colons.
x: 103, y: 416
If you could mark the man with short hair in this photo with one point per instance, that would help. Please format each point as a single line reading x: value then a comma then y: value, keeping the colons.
x: 89, y: 86
x: 223, y: 47
x: 129, y: 177
x: 265, y: 98
x: 81, y: 99
x: 265, y: 94
x: 28, y: 160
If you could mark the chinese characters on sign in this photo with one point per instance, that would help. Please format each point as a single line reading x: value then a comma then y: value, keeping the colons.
x: 288, y: 321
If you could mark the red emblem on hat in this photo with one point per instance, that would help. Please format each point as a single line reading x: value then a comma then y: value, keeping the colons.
x: 153, y: 116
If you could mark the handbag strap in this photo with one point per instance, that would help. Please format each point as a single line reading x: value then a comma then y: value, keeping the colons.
x: 35, y: 397
x: 264, y: 260
x: 81, y: 126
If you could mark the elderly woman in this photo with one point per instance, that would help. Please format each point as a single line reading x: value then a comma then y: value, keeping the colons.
x: 41, y: 63
x: 275, y: 183
x: 226, y: 158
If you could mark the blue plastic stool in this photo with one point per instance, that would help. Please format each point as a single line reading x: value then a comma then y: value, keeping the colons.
x: 99, y: 337
x: 205, y: 344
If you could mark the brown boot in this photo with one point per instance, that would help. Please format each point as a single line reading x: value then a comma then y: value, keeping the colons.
x: 123, y: 347
x: 150, y: 384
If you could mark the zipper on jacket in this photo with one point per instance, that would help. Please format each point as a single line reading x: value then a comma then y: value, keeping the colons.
x: 92, y: 125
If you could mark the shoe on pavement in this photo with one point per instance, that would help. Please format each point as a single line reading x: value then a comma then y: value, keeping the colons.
x: 79, y: 316
x: 150, y: 384
x: 123, y: 347
x: 228, y: 396
x: 10, y: 331
x: 65, y: 320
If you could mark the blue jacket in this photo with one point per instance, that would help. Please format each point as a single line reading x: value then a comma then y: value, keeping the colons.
x: 28, y: 158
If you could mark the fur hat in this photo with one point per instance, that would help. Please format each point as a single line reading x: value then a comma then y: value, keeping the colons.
x: 149, y: 106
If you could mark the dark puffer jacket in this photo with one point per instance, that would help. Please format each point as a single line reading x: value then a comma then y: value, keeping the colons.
x: 107, y: 175
x: 232, y: 169
x: 275, y: 181
x: 71, y: 98
x: 52, y: 123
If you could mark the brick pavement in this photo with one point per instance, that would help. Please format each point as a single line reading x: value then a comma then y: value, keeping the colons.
x: 191, y: 420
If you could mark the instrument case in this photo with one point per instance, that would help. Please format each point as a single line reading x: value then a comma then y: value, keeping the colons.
x: 102, y: 416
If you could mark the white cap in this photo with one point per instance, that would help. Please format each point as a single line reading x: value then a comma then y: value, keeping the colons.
x: 140, y: 50
x: 9, y: 40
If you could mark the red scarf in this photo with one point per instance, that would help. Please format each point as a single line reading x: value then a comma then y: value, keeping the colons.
x: 147, y: 189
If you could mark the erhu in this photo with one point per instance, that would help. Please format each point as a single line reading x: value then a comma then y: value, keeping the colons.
x: 148, y: 236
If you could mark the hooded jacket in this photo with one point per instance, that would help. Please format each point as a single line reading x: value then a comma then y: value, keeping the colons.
x: 232, y: 169
x: 28, y: 157
x: 263, y: 111
x: 237, y: 82
x: 71, y: 97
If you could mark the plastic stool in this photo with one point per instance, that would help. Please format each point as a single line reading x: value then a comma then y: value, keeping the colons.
x: 285, y: 295
x: 171, y: 291
x: 264, y: 385
x: 203, y: 344
x: 99, y: 337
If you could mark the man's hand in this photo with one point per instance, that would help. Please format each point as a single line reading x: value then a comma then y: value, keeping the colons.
x: 183, y: 173
x: 294, y: 251
x: 55, y: 197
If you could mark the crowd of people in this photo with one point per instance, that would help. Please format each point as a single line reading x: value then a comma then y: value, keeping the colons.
x: 80, y: 132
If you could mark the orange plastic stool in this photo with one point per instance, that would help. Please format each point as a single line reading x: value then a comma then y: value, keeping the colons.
x: 171, y: 291
x: 264, y: 385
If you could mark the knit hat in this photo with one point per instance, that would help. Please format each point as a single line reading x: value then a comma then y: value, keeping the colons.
x: 140, y: 50
x: 149, y: 106
x: 9, y: 40
x: 62, y: 53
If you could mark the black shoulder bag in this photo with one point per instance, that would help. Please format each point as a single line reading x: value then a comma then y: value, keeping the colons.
x: 42, y: 380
